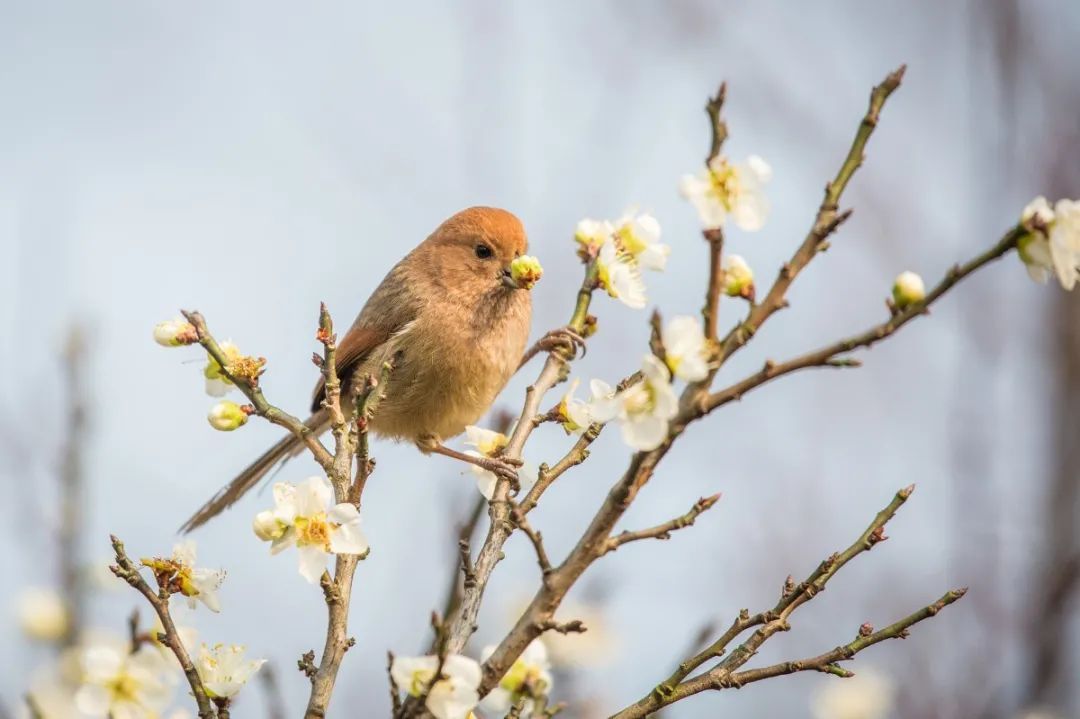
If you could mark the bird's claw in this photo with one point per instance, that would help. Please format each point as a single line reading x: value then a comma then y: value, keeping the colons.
x: 563, y: 338
x: 504, y: 468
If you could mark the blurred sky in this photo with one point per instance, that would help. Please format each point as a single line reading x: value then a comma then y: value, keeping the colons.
x: 252, y: 159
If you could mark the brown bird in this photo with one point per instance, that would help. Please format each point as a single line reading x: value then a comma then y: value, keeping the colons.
x: 455, y: 323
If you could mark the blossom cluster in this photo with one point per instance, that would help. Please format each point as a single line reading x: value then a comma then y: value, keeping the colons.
x: 452, y: 683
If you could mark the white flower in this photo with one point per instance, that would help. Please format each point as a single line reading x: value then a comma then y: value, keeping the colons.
x: 590, y: 234
x: 181, y: 575
x: 576, y: 415
x: 529, y: 676
x: 685, y: 347
x: 867, y: 695
x: 724, y: 189
x: 453, y: 695
x: 486, y: 479
x: 217, y: 384
x: 738, y: 277
x: 308, y: 520
x: 122, y: 685
x: 175, y: 332
x: 595, y: 648
x: 43, y: 614
x: 1053, y: 244
x: 225, y: 416
x: 224, y: 670
x: 639, y: 237
x: 645, y: 408
x: 488, y: 443
x: 907, y: 289
x: 619, y: 275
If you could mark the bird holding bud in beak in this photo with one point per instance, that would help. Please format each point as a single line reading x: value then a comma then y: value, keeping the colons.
x: 453, y: 317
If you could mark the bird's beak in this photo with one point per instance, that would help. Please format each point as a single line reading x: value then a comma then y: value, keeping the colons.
x: 508, y: 280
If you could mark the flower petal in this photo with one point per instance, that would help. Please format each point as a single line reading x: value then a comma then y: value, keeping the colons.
x: 312, y: 562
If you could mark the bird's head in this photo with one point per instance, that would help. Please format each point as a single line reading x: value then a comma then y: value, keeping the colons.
x: 476, y: 246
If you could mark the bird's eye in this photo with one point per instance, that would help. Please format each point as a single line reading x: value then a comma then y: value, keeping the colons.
x: 483, y: 251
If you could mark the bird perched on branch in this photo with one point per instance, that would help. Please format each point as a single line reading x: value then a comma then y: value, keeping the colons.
x: 455, y: 323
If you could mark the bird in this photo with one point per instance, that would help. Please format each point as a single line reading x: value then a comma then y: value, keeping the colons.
x: 454, y: 323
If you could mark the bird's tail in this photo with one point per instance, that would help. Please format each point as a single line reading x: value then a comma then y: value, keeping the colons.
x: 228, y: 495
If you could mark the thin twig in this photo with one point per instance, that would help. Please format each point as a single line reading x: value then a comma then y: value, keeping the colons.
x: 170, y: 637
x: 768, y: 622
x: 663, y: 531
x: 827, y: 356
x: 535, y: 537
x: 828, y: 218
x: 715, y: 237
x: 253, y: 392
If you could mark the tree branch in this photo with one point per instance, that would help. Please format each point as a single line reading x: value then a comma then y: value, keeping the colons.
x: 828, y: 218
x: 462, y: 623
x: 129, y: 572
x: 251, y: 390
x: 724, y: 674
x: 827, y: 355
x: 663, y: 531
x: 715, y: 237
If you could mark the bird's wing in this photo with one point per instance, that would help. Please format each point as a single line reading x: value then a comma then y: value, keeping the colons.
x: 390, y: 309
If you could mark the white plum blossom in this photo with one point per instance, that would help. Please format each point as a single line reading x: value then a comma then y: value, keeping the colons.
x: 907, y: 289
x: 867, y: 695
x: 486, y: 442
x: 181, y: 574
x: 738, y: 277
x: 529, y: 676
x: 43, y: 614
x: 124, y: 685
x: 489, y: 443
x: 223, y: 669
x: 453, y: 695
x: 645, y: 408
x: 620, y: 276
x: 638, y: 235
x: 576, y: 415
x: 686, y: 351
x: 305, y: 515
x: 724, y: 189
x: 175, y: 333
x: 217, y: 384
x: 1053, y: 243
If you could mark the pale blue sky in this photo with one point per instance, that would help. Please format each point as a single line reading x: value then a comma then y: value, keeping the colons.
x: 250, y: 160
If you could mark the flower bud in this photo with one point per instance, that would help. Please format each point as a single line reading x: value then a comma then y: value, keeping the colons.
x: 267, y: 526
x: 590, y: 234
x: 907, y: 289
x: 738, y: 277
x: 175, y: 333
x: 526, y: 271
x: 227, y: 416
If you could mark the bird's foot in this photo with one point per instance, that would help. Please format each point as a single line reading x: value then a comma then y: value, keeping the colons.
x: 503, y: 468
x: 563, y: 339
